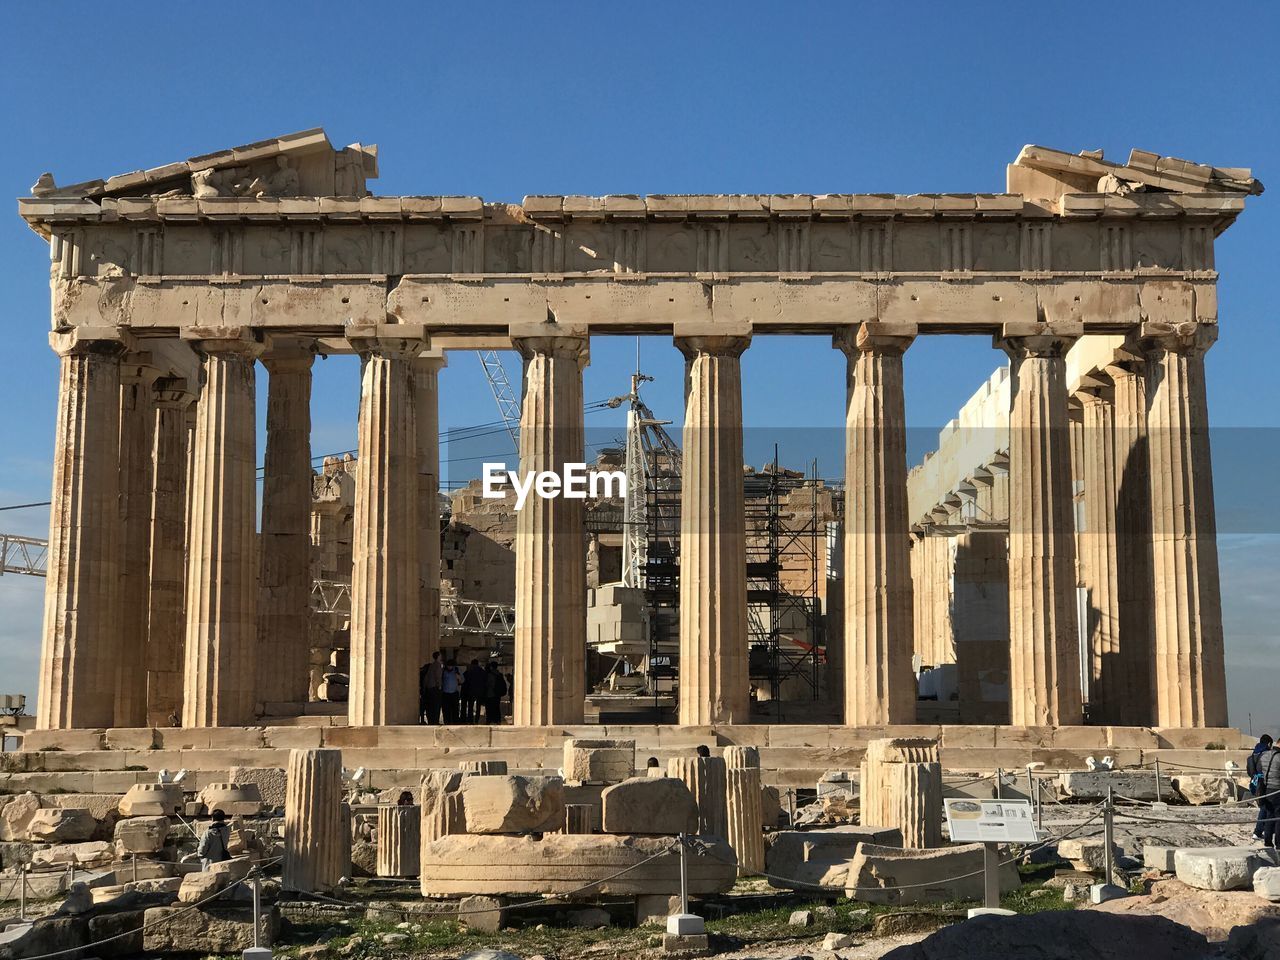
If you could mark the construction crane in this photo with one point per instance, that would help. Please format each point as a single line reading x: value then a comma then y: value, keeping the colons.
x: 653, y: 464
x: 503, y: 393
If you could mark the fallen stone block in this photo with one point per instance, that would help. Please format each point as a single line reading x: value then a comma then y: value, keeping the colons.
x: 649, y: 805
x: 482, y: 914
x: 233, y: 799
x: 1204, y: 788
x: 196, y: 887
x: 1088, y: 854
x: 270, y: 781
x: 152, y: 800
x: 561, y: 863
x: 1211, y: 913
x: 1159, y: 858
x: 155, y: 885
x: 809, y: 859
x: 88, y: 853
x: 655, y: 908
x: 1093, y: 784
x: 1266, y: 883
x: 599, y: 761
x: 209, y: 930
x: 56, y: 825
x: 800, y: 918
x: 15, y: 814
x: 1221, y: 868
x: 512, y: 804
x: 891, y: 876
x: 141, y: 834
x: 55, y: 935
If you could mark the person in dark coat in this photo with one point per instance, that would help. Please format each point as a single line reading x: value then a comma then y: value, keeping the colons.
x: 474, y: 684
x: 1269, y: 795
x: 495, y: 689
x: 1251, y: 767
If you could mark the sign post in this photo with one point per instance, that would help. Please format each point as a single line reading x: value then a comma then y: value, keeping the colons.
x: 991, y: 823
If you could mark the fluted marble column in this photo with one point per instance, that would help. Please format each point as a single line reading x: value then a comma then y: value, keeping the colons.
x: 426, y: 388
x: 551, y: 548
x: 1044, y: 645
x: 399, y: 840
x: 81, y: 625
x: 1109, y: 682
x: 714, y: 686
x: 1133, y: 542
x: 878, y: 635
x: 745, y: 808
x: 317, y: 841
x: 384, y: 580
x: 707, y: 780
x: 1190, y: 671
x: 137, y: 423
x: 167, y: 556
x: 218, y: 687
x: 284, y: 584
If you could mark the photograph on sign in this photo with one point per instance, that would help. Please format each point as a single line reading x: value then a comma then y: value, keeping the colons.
x: 1008, y: 821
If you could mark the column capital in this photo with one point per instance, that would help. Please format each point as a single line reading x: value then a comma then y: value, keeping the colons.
x: 567, y: 347
x: 1186, y: 337
x: 237, y: 341
x: 1023, y: 341
x: 139, y: 366
x: 875, y: 337
x: 109, y: 342
x: 431, y: 363
x: 394, y: 341
x: 288, y: 354
x: 713, y: 346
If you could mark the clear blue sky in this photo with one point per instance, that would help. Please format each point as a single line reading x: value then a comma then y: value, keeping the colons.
x: 507, y: 99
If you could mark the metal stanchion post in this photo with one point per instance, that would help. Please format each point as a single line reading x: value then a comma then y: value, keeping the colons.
x: 134, y: 859
x: 791, y: 807
x: 1108, y: 833
x: 1031, y: 791
x: 1157, y: 797
x: 999, y: 783
x: 257, y: 907
x: 22, y: 891
x: 684, y: 874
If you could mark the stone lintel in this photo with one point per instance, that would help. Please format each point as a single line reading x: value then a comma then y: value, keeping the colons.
x: 282, y: 353
x: 90, y: 339
x: 235, y: 340
x: 399, y: 341
x: 1178, y: 337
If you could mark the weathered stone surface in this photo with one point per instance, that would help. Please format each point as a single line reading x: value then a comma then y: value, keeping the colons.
x: 599, y: 761
x: 16, y: 814
x: 562, y: 863
x: 1159, y: 858
x: 1221, y: 868
x: 483, y: 768
x: 61, y: 826
x: 1200, y: 789
x: 399, y: 839
x: 152, y: 800
x: 88, y: 853
x: 197, y: 887
x: 24, y: 940
x: 1266, y: 883
x: 1210, y: 913
x: 705, y: 778
x: 233, y: 799
x: 442, y: 810
x: 1093, y: 784
x: 512, y: 804
x: 1054, y: 935
x: 270, y: 781
x: 155, y: 885
x: 482, y: 914
x: 649, y: 805
x: 901, y: 785
x: 807, y: 859
x: 889, y: 875
x: 141, y: 834
x: 1087, y: 854
x: 317, y: 839
x: 746, y: 830
x: 210, y: 930
x: 654, y: 908
x: 579, y: 817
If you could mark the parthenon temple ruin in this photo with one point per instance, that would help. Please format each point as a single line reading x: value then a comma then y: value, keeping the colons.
x: 1052, y: 564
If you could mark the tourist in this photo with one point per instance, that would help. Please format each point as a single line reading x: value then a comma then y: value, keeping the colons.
x: 1269, y: 795
x: 214, y: 845
x: 473, y: 692
x: 495, y: 688
x: 703, y: 750
x: 652, y: 764
x: 430, y: 697
x: 1251, y: 768
x: 405, y: 799
x: 451, y: 690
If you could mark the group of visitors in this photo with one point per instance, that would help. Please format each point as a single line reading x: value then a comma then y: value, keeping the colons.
x: 1264, y: 783
x: 450, y: 695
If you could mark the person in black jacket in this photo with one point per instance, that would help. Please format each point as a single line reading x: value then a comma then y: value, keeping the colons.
x: 495, y: 689
x: 474, y: 685
x: 1269, y: 795
x: 1251, y: 768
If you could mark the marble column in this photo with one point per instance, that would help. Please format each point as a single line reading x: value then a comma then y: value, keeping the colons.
x: 1189, y: 668
x: 551, y: 547
x: 714, y: 687
x: 426, y: 388
x: 384, y: 580
x: 81, y: 624
x: 218, y: 687
x: 878, y: 635
x: 1044, y: 644
x: 167, y: 556
x: 284, y: 585
x: 1108, y: 680
x: 1133, y: 541
x: 317, y: 838
x: 137, y: 423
